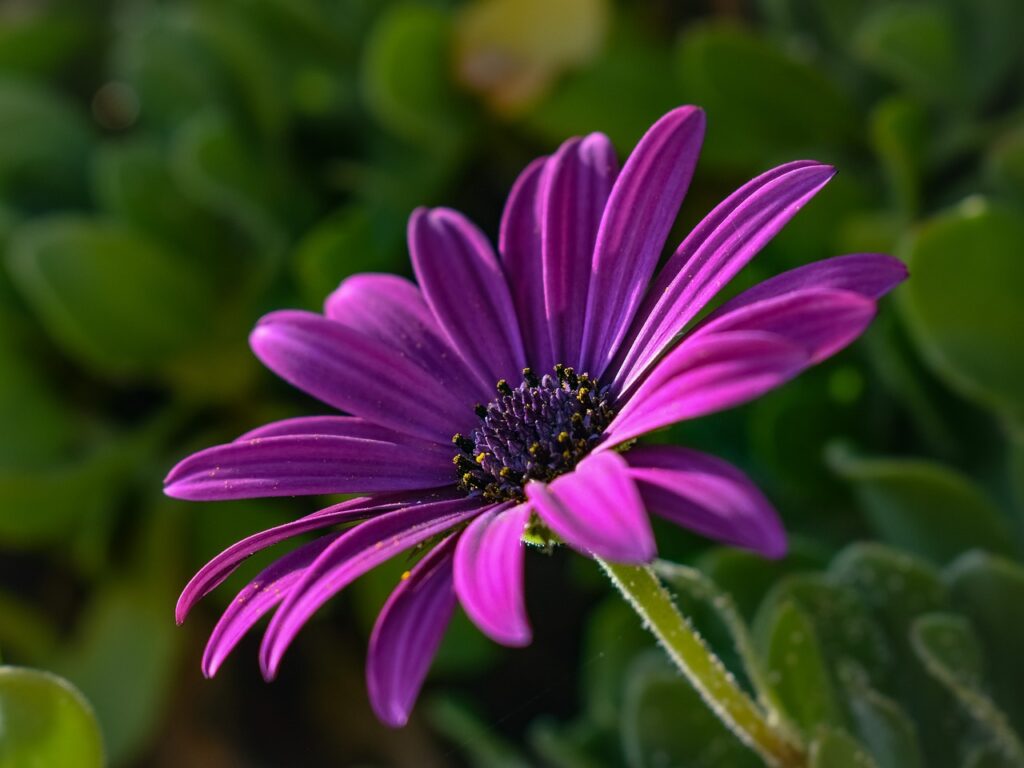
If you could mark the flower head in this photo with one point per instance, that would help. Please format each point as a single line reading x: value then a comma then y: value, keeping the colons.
x: 505, y: 393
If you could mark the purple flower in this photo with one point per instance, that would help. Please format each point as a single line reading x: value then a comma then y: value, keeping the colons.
x: 503, y: 394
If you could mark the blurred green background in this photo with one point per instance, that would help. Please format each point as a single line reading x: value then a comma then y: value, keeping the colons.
x: 171, y: 170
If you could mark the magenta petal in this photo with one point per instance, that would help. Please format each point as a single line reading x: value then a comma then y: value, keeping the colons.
x: 489, y: 574
x: 466, y: 290
x: 341, y: 426
x: 872, y: 275
x: 407, y: 634
x: 705, y: 375
x: 520, y: 246
x: 257, y: 599
x: 643, y: 205
x: 224, y: 564
x: 728, y: 238
x: 355, y: 373
x: 820, y: 321
x: 575, y: 186
x: 306, y: 465
x: 353, y: 554
x: 597, y: 509
x: 706, y: 495
x: 392, y: 310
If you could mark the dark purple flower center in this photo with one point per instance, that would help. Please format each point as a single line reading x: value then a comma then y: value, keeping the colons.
x: 536, y: 431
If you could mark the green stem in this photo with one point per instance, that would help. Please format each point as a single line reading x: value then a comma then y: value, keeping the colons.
x: 640, y: 586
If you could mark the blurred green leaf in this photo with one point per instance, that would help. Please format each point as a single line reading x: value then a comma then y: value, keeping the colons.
x: 948, y: 648
x: 899, y: 133
x: 124, y: 661
x: 882, y: 724
x: 462, y: 725
x: 835, y: 748
x: 43, y: 145
x: 39, y: 40
x: 352, y: 240
x: 578, y: 744
x: 990, y: 591
x: 213, y: 165
x: 111, y: 298
x: 926, y: 508
x: 613, y: 638
x: 45, y: 722
x: 133, y: 183
x: 763, y: 105
x: 963, y: 302
x: 914, y: 44
x: 634, y: 68
x: 162, y: 59
x: 406, y: 77
x: 665, y: 722
x: 843, y: 625
x: 798, y: 670
x: 897, y: 586
x: 511, y: 50
x: 1005, y: 162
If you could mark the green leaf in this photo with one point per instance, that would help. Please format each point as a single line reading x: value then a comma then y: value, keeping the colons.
x: 843, y: 625
x: 798, y: 670
x: 111, y: 298
x: 459, y: 723
x: 634, y: 68
x: 835, y: 748
x: 214, y: 167
x: 882, y: 724
x: 613, y: 638
x: 123, y: 659
x: 1005, y: 162
x: 899, y: 132
x: 665, y: 722
x: 762, y: 104
x: 990, y: 591
x: 45, y: 722
x: 949, y: 649
x: 43, y: 145
x: 914, y: 44
x: 133, y: 183
x: 897, y: 586
x: 353, y: 239
x: 971, y: 253
x: 406, y: 82
x: 923, y: 507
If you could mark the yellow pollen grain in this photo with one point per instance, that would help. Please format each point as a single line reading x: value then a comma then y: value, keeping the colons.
x: 480, y: 457
x: 406, y: 575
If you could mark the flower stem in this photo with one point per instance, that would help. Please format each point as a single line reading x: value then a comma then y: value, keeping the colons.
x: 641, y: 587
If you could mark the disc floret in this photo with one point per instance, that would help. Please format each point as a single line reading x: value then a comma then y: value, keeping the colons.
x: 535, y: 431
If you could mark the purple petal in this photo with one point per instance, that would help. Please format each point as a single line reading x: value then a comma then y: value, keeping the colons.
x: 342, y: 426
x: 351, y: 555
x: 872, y: 275
x: 392, y: 310
x: 643, y: 205
x: 354, y: 372
x: 466, y: 290
x: 308, y: 465
x: 707, y: 374
x: 224, y: 564
x: 489, y: 574
x: 729, y: 237
x: 407, y: 635
x: 597, y: 509
x: 520, y: 246
x: 575, y: 186
x: 820, y: 321
x: 258, y: 598
x: 706, y: 495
